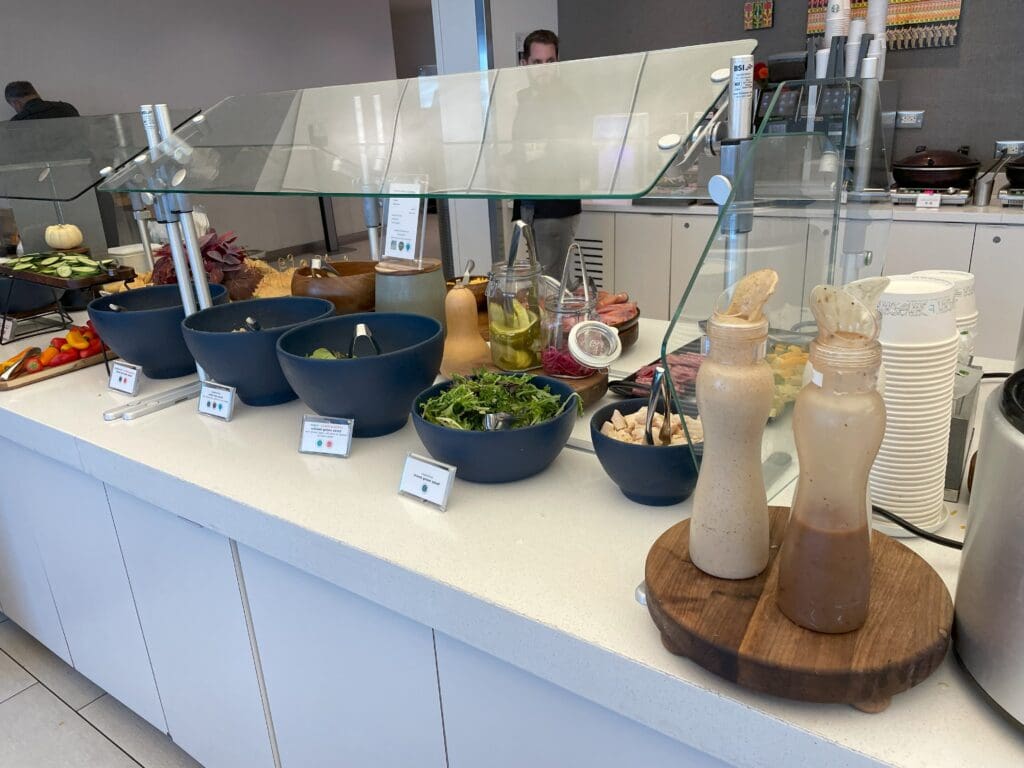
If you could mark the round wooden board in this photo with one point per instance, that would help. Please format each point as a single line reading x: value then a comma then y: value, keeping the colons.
x: 735, y: 629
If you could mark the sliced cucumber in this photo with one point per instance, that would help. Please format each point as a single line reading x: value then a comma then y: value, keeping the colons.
x: 48, y: 261
x: 64, y: 271
x: 21, y: 266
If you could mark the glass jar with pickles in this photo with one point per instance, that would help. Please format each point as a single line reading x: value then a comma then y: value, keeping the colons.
x: 513, y: 308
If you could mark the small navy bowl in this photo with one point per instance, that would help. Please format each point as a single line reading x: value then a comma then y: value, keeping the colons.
x: 148, y: 332
x: 656, y: 475
x: 501, y: 456
x: 375, y: 390
x: 248, y: 361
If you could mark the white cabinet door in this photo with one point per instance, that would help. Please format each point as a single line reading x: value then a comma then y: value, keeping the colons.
x: 501, y: 717
x: 187, y: 593
x: 349, y: 682
x: 76, y: 538
x: 24, y: 589
x: 915, y: 245
x: 643, y: 244
x: 690, y: 234
x: 596, y: 236
x: 998, y: 267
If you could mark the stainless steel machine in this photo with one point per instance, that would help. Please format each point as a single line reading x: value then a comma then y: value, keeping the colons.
x: 989, y: 625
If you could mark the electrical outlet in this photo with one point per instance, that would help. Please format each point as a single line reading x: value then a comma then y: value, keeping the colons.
x: 1010, y: 147
x: 910, y: 119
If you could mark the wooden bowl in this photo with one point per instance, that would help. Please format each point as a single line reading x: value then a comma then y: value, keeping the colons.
x: 629, y: 332
x: 354, y: 291
x: 478, y: 285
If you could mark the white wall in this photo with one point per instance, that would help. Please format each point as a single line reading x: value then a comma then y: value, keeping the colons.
x: 111, y: 55
x: 412, y: 30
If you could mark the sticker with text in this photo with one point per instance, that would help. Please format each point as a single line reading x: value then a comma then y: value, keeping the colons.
x: 125, y: 377
x: 928, y: 200
x: 326, y: 436
x: 217, y: 400
x: 427, y: 480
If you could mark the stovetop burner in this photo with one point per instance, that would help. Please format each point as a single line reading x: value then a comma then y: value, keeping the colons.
x: 908, y: 196
x: 1009, y: 196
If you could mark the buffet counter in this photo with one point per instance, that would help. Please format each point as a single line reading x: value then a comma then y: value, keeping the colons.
x: 516, y: 606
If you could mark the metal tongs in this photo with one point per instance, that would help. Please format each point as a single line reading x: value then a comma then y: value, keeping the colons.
x: 519, y: 229
x: 565, y: 293
x: 659, y: 390
x: 363, y: 332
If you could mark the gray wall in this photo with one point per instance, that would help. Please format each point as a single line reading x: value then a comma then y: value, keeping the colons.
x: 965, y: 100
x: 110, y: 56
x: 412, y: 29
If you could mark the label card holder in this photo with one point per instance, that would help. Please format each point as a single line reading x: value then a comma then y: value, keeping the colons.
x: 326, y: 436
x: 217, y: 400
x: 125, y: 377
x: 928, y: 200
x: 427, y: 480
x: 402, y: 233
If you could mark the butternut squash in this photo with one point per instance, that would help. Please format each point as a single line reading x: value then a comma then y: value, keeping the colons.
x: 464, y: 347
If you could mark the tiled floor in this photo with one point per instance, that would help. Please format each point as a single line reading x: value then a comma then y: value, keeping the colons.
x: 51, y: 716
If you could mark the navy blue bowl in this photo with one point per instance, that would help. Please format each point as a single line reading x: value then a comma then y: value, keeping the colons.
x: 248, y: 361
x: 375, y: 390
x: 656, y: 475
x: 148, y: 332
x: 501, y: 456
x: 26, y: 296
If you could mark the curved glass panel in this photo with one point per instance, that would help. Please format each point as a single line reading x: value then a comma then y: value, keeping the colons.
x: 798, y: 223
x: 573, y: 129
x: 60, y: 159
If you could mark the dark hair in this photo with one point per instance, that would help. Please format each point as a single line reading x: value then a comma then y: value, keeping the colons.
x: 19, y: 89
x: 542, y: 36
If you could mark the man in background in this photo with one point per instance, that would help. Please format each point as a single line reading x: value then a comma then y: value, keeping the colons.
x: 554, y: 221
x: 29, y: 105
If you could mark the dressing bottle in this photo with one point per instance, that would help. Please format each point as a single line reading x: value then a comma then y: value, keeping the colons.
x: 838, y: 425
x: 729, y: 525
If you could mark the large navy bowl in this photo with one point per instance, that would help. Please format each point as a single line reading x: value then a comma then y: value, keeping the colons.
x: 375, y: 390
x: 148, y: 332
x: 248, y: 361
x: 656, y: 475
x: 25, y: 296
x: 500, y: 456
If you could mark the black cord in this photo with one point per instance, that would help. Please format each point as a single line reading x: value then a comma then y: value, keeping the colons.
x: 993, y: 375
x: 951, y: 543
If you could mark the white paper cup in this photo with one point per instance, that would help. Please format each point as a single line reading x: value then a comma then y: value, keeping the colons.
x: 964, y: 302
x: 917, y: 311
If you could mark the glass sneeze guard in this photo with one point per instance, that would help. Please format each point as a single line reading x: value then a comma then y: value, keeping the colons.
x: 799, y: 224
x: 575, y: 129
x: 61, y: 159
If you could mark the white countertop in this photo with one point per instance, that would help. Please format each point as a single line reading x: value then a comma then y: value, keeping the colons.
x: 952, y: 214
x: 539, y: 573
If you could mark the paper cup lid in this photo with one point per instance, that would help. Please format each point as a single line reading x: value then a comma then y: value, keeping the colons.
x: 594, y: 344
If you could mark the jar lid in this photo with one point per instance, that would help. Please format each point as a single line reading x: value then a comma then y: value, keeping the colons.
x: 594, y: 344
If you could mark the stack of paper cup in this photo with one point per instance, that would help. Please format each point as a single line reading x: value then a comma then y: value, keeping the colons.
x: 919, y: 353
x: 837, y: 20
x: 876, y: 20
x: 965, y: 308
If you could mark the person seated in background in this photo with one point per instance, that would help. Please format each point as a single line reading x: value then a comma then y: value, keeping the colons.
x: 29, y: 105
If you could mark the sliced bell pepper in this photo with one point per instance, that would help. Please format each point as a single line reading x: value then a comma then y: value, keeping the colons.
x: 48, y: 354
x: 57, y: 342
x: 77, y: 340
x: 63, y: 358
x: 95, y: 347
x: 66, y: 347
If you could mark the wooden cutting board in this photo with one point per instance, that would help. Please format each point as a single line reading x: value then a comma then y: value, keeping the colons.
x: 50, y: 373
x: 735, y: 629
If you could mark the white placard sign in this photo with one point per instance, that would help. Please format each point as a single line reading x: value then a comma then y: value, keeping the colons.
x: 326, y: 436
x: 928, y: 200
x: 427, y: 480
x: 403, y: 225
x: 124, y: 377
x: 217, y: 400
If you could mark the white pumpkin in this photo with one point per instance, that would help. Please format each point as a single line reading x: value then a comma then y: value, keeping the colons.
x: 62, y: 237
